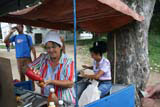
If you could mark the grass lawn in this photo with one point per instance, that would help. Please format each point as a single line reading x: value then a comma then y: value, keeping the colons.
x: 4, y: 47
x: 154, y: 52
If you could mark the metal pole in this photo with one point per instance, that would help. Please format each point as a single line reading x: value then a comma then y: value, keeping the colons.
x: 75, y: 52
x: 115, y: 59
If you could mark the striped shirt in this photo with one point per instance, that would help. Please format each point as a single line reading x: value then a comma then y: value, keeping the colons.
x: 63, y: 71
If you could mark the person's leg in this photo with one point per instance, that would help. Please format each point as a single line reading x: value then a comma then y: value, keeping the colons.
x: 8, y: 49
x: 20, y: 69
x: 104, y: 87
x: 27, y: 61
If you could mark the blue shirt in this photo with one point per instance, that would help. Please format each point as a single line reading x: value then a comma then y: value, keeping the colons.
x: 22, y: 45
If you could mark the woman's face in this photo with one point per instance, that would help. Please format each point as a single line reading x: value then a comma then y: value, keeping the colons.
x: 53, y: 49
x: 95, y: 56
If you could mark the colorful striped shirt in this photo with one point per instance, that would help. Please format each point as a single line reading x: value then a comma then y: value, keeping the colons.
x: 63, y: 71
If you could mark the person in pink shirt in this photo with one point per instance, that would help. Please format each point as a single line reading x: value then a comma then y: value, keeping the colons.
x: 101, y: 68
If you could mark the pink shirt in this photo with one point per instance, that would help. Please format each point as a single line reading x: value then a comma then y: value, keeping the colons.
x: 103, y: 65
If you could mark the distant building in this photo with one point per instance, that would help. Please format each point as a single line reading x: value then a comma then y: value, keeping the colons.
x: 86, y: 35
x: 5, y: 27
x: 39, y: 33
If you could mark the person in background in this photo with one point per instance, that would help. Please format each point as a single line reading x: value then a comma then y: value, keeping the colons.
x: 54, y: 69
x: 8, y: 46
x: 63, y: 47
x: 23, y: 47
x: 153, y: 97
x: 101, y: 68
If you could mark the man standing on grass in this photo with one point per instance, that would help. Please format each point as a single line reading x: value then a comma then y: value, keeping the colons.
x: 23, y: 46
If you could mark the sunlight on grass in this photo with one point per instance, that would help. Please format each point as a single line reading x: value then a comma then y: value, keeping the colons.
x: 154, y: 52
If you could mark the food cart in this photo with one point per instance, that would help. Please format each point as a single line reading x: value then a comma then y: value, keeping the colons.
x: 91, y: 15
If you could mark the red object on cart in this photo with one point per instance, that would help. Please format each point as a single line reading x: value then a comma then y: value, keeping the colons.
x: 29, y: 72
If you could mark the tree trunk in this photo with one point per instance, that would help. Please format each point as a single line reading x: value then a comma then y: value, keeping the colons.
x: 132, y: 64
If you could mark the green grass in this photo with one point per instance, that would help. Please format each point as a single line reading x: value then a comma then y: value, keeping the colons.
x: 154, y: 52
x: 4, y: 47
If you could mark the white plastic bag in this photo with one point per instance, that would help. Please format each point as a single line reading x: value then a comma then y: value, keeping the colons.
x: 90, y: 94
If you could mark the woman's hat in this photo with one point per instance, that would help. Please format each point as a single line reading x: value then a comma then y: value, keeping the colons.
x: 53, y: 37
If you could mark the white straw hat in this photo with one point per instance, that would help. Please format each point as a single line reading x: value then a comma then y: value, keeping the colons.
x: 52, y: 36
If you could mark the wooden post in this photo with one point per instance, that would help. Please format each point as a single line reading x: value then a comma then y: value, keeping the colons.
x: 7, y: 97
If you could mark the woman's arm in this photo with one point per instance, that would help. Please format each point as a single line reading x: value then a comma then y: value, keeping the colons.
x: 61, y: 83
x: 87, y: 67
x: 29, y: 72
x: 94, y: 76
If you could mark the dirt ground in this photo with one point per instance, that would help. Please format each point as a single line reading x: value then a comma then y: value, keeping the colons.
x: 81, y: 59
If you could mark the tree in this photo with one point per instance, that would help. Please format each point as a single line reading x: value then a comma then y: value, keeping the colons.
x: 132, y: 62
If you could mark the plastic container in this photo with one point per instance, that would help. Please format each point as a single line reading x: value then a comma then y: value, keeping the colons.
x: 60, y: 103
x: 51, y: 104
x: 52, y: 97
x: 25, y: 85
x: 51, y: 92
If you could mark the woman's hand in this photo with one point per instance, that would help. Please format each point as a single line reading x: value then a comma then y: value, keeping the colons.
x: 41, y: 84
x: 83, y: 74
x: 153, y: 91
x: 47, y: 82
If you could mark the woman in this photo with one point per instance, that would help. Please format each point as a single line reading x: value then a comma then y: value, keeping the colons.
x: 7, y: 46
x: 101, y: 68
x: 55, y: 69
